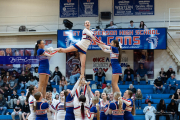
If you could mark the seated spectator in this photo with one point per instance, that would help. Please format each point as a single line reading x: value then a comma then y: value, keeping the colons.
x: 75, y: 74
x: 142, y: 25
x: 131, y: 24
x: 13, y: 83
x: 161, y: 107
x: 149, y: 112
x: 54, y: 93
x: 57, y: 75
x: 129, y: 75
x: 14, y: 98
x: 131, y: 87
x: 15, y: 74
x: 162, y: 74
x: 23, y: 79
x: 17, y: 110
x: 172, y: 83
x: 3, y: 73
x: 176, y: 95
x: 62, y: 84
x: 138, y: 99
x: 22, y: 98
x: 3, y: 107
x: 49, y: 87
x: 142, y: 74
x: 6, y: 78
x: 32, y: 82
x: 108, y: 89
x: 1, y: 82
x: 7, y: 93
x: 169, y: 72
x: 173, y: 108
x: 27, y: 72
x: 56, y: 97
x: 112, y: 25
x: 100, y: 76
x: 36, y: 74
x: 25, y: 111
x: 158, y: 84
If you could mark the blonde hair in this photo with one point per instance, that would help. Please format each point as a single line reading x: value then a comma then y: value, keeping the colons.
x: 139, y: 90
x: 117, y: 96
x: 95, y: 100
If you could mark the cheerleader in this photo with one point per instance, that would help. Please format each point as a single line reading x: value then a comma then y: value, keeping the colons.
x: 115, y: 55
x: 94, y: 114
x: 43, y: 69
x: 103, y: 104
x: 128, y: 105
x: 40, y: 108
x: 69, y: 105
x: 82, y: 45
x: 109, y: 116
x: 30, y: 99
x: 115, y: 108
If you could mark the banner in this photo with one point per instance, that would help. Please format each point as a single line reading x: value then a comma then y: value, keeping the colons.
x: 68, y: 8
x: 152, y: 38
x: 146, y: 58
x: 88, y: 8
x: 133, y: 7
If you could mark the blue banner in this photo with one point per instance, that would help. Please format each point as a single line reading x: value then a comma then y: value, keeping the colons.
x: 88, y: 8
x: 131, y: 39
x: 68, y: 8
x: 133, y: 7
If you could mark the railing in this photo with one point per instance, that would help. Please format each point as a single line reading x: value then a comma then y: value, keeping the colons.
x: 174, y: 17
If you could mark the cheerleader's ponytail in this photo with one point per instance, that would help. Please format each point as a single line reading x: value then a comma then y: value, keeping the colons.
x: 65, y: 95
x: 36, y: 47
x: 98, y: 113
x: 82, y: 100
x: 36, y: 96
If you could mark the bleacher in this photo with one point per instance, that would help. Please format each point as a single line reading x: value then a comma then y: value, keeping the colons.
x: 146, y: 89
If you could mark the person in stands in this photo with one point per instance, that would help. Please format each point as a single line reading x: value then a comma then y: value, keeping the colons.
x: 161, y: 107
x: 142, y: 74
x: 163, y: 76
x: 57, y: 75
x: 100, y: 76
x: 131, y: 24
x: 112, y: 25
x: 3, y: 107
x: 17, y: 110
x: 158, y: 85
x: 173, y: 108
x: 149, y: 112
x: 172, y: 83
x: 169, y: 72
x: 128, y: 75
x: 138, y: 99
x: 108, y: 89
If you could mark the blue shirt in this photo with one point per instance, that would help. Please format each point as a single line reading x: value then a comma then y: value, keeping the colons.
x: 115, y: 110
x: 131, y: 26
x: 43, y: 60
x: 141, y: 72
x: 171, y: 81
x: 93, y: 110
x: 114, y: 55
x: 41, y: 110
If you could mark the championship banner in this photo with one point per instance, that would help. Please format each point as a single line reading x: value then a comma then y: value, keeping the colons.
x: 146, y: 58
x: 88, y: 8
x: 152, y: 38
x: 68, y: 8
x: 133, y: 7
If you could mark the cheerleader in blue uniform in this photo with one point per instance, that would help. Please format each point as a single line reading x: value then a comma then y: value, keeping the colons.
x: 43, y: 69
x: 103, y: 104
x: 94, y: 114
x: 109, y: 116
x: 83, y: 45
x: 116, y: 107
x: 40, y: 107
x: 128, y: 105
x: 115, y: 54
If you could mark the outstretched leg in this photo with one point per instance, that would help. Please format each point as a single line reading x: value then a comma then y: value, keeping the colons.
x: 66, y: 50
x: 115, y: 79
x: 83, y: 62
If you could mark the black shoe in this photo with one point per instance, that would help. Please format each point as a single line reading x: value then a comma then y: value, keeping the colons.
x: 147, y: 83
x: 138, y: 83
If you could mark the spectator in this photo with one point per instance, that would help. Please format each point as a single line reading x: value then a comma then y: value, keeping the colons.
x: 1, y: 82
x: 173, y: 108
x: 131, y: 24
x: 22, y: 98
x: 172, y: 83
x: 62, y: 84
x: 6, y: 78
x: 142, y: 25
x: 56, y: 97
x: 108, y: 89
x: 54, y: 93
x: 15, y: 74
x: 14, y: 98
x: 100, y: 76
x: 25, y: 111
x: 3, y: 73
x: 149, y: 112
x: 112, y: 25
x: 23, y: 79
x: 17, y: 110
x: 176, y: 95
x: 36, y: 74
x: 162, y: 74
x: 131, y: 87
x: 161, y: 107
x: 13, y: 83
x: 128, y: 75
x: 7, y: 93
x: 57, y: 75
x: 49, y: 87
x: 75, y: 74
x: 169, y: 72
x: 158, y: 84
x: 142, y: 74
x: 32, y: 82
x: 3, y: 107
x: 27, y: 72
x: 138, y: 99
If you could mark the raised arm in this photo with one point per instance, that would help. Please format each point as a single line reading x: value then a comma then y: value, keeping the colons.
x: 75, y: 87
x: 105, y: 50
x: 49, y: 54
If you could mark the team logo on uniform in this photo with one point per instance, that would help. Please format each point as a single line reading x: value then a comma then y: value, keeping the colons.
x: 153, y: 40
x: 68, y: 1
x: 88, y: 0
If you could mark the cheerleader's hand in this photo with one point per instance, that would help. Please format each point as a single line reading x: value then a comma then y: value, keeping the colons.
x: 86, y: 111
x: 60, y: 50
x: 88, y: 83
x: 81, y: 77
x: 93, y: 38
